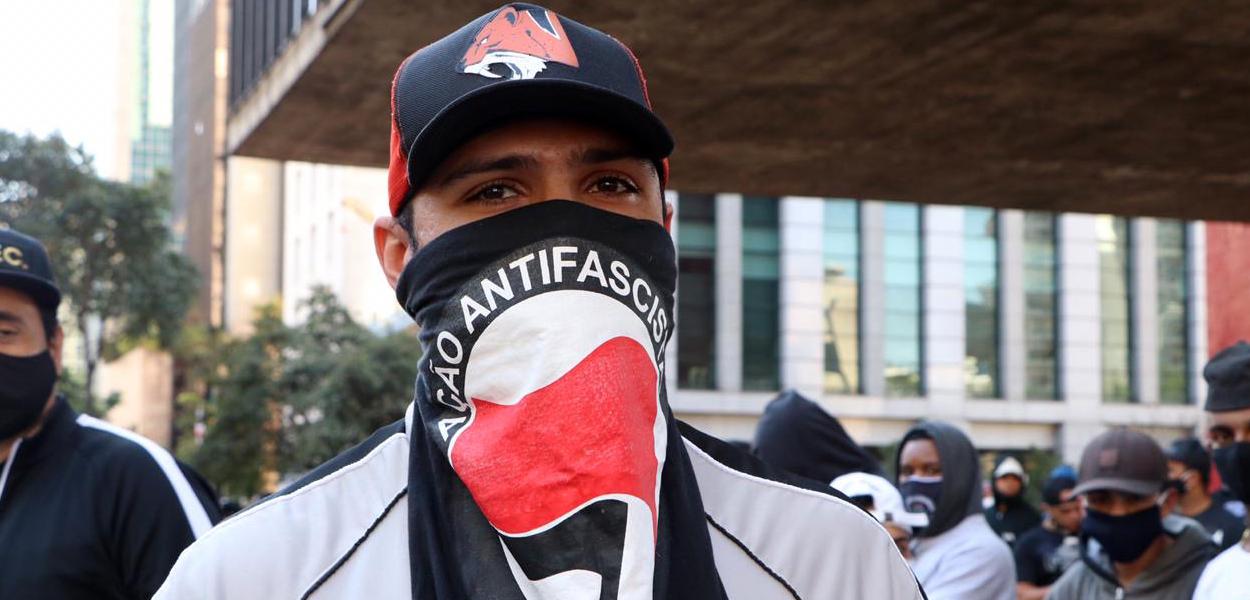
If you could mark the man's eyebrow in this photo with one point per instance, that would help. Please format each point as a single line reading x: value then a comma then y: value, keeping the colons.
x: 485, y: 165
x: 594, y: 156
x: 8, y: 317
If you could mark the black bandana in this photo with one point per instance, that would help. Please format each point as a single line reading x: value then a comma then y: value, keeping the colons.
x: 546, y: 463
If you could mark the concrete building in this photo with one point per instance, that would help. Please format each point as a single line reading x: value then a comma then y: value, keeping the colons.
x: 985, y: 301
x: 145, y: 89
x: 1028, y: 329
x: 327, y: 240
x: 143, y: 378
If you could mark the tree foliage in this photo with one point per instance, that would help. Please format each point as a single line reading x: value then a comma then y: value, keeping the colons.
x: 286, y: 399
x: 110, y: 245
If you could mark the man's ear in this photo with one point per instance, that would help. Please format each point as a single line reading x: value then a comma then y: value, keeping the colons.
x: 55, y: 344
x: 393, y: 247
x: 668, y: 216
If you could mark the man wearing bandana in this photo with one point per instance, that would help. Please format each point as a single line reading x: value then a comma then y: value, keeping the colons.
x: 1228, y: 411
x: 539, y: 459
x: 87, y: 510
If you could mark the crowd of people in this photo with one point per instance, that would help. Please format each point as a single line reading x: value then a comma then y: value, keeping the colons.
x: 529, y: 239
x: 1133, y: 520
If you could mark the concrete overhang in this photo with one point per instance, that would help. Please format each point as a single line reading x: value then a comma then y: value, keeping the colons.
x: 1136, y: 107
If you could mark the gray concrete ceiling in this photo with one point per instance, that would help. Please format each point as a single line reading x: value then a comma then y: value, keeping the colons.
x: 1131, y: 107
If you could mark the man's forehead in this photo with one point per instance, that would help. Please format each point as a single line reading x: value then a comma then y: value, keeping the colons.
x: 17, y: 303
x: 1231, y: 418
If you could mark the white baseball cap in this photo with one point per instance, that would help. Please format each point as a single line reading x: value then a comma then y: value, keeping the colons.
x: 1010, y: 466
x: 887, y: 502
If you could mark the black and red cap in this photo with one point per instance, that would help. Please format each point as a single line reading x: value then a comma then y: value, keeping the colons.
x: 24, y: 266
x: 517, y: 61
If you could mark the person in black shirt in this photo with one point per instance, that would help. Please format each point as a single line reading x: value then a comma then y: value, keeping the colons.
x: 1010, y: 515
x: 87, y: 510
x: 1044, y: 552
x: 1189, y: 464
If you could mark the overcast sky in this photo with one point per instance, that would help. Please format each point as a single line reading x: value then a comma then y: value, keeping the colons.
x: 59, y: 67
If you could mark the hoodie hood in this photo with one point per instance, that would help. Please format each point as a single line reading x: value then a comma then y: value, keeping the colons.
x: 798, y: 436
x: 961, y: 474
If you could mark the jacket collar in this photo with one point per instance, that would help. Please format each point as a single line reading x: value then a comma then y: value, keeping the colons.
x: 56, y: 433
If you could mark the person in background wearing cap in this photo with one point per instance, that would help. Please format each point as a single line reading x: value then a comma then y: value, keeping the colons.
x: 87, y: 510
x: 882, y: 500
x: 1189, y: 465
x: 958, y: 556
x: 1228, y: 431
x: 1010, y: 515
x: 1132, y: 547
x: 1046, y: 551
x: 539, y: 459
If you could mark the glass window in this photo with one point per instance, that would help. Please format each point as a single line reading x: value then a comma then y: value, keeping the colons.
x: 981, y: 302
x: 761, y: 305
x: 1040, y: 323
x: 1114, y: 246
x: 841, y: 296
x: 696, y: 291
x: 902, y: 300
x: 1173, y: 313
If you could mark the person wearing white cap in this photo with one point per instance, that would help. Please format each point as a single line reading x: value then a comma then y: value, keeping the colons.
x: 882, y: 500
x: 1010, y: 514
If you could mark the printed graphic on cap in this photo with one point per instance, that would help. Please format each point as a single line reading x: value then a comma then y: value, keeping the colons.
x: 522, y: 40
x: 12, y: 257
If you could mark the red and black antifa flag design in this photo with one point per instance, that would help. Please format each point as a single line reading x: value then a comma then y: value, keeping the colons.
x: 546, y: 463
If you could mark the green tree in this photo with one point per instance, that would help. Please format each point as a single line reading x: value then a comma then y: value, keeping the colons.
x: 286, y: 399
x: 109, y: 242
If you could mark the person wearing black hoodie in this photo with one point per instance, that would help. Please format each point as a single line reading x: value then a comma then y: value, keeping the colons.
x: 1010, y: 515
x: 958, y: 556
x: 797, y: 435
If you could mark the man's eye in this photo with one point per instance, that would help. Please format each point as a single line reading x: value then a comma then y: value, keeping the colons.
x: 615, y: 185
x: 493, y: 192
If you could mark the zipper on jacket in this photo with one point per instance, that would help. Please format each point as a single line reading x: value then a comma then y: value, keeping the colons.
x: 8, y: 466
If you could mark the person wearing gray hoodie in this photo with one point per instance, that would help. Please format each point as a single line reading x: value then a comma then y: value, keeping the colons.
x: 958, y: 556
x: 1132, y: 547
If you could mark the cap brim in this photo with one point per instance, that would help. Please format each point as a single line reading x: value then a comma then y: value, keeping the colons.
x: 491, y: 106
x: 1132, y: 486
x: 43, y: 293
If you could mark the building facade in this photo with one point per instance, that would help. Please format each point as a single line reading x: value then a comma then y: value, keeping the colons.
x: 327, y: 241
x: 1028, y: 329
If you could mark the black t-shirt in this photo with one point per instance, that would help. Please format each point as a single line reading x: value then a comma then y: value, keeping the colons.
x: 1225, y: 529
x: 1013, y: 522
x: 1042, y: 555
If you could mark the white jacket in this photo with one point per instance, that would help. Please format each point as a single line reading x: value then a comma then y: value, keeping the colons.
x: 343, y: 533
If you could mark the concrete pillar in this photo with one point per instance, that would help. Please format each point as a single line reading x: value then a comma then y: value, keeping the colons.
x: 802, y: 295
x: 1144, y: 284
x: 729, y: 292
x: 1198, y: 347
x: 1080, y: 333
x: 1013, y: 352
x: 872, y: 298
x: 944, y: 307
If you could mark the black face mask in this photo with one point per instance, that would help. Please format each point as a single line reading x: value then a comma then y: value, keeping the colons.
x: 1233, y: 463
x: 26, y: 383
x: 542, y: 440
x: 1125, y: 537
